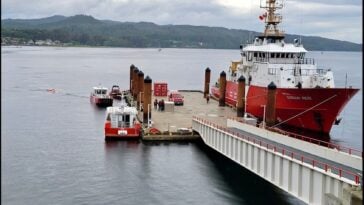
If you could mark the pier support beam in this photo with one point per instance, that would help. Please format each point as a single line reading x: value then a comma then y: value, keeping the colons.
x: 270, y: 117
x: 222, y: 89
x: 147, y: 103
x: 240, y: 107
x: 131, y: 78
x: 207, y: 82
x: 135, y: 83
x: 140, y: 88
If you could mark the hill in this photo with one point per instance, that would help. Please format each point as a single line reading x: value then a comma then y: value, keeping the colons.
x: 86, y: 30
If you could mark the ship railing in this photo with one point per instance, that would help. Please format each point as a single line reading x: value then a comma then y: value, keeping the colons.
x: 303, y: 61
x: 309, y: 61
x: 307, y: 72
x: 298, y: 157
x: 348, y: 150
x: 261, y: 59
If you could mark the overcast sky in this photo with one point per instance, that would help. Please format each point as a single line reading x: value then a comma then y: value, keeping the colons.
x: 336, y: 19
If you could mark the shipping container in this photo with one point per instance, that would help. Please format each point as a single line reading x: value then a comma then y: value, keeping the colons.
x: 160, y: 89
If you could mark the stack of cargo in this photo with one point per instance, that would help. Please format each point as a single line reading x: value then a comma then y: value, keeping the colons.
x: 160, y: 89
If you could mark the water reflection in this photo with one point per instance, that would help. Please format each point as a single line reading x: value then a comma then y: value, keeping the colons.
x: 246, y: 187
x: 113, y: 145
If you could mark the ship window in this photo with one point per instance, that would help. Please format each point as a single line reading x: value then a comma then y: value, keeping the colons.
x: 263, y: 55
x: 250, y: 56
x: 126, y: 120
x: 287, y: 54
x: 272, y: 71
x: 255, y: 54
x: 272, y: 55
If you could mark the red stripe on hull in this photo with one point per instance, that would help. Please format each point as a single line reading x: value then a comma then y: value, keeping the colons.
x: 132, y: 132
x: 101, y: 102
x: 313, y: 109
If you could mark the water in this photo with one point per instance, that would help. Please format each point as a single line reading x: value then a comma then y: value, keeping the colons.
x: 53, y: 148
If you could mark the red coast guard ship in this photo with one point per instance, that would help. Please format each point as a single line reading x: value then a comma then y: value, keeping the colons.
x: 306, y: 96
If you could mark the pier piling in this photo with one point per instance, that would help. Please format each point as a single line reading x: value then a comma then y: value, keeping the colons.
x: 271, y: 105
x: 240, y: 107
x: 147, y: 103
x: 207, y: 82
x: 222, y: 89
x: 131, y: 78
x: 135, y: 83
x: 140, y: 88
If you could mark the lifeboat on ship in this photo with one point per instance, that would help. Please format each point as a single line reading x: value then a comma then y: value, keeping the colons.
x: 122, y: 123
x: 100, y: 97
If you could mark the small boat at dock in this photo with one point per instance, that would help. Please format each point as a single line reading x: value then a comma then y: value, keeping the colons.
x: 115, y: 92
x: 122, y: 123
x: 100, y: 97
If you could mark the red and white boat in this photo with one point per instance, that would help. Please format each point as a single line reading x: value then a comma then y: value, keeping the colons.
x: 100, y: 97
x: 115, y: 92
x: 122, y: 123
x: 306, y: 96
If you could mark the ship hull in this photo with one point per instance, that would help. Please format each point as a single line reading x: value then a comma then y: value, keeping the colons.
x: 101, y: 102
x: 121, y: 133
x: 312, y: 109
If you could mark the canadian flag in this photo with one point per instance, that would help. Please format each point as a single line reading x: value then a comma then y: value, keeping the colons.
x: 263, y: 16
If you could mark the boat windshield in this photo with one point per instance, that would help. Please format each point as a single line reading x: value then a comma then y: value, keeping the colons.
x: 120, y: 120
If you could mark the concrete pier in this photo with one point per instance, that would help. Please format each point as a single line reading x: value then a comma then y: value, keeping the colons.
x: 177, y: 125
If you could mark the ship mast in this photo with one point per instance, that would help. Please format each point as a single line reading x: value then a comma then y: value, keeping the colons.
x: 272, y: 19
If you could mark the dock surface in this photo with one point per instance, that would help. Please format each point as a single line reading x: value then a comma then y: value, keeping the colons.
x: 178, y: 123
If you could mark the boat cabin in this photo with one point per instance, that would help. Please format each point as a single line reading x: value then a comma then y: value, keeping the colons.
x: 99, y: 91
x: 121, y: 117
x: 115, y: 88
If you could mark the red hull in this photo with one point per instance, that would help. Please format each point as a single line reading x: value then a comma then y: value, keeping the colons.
x: 122, y: 132
x: 101, y: 102
x: 313, y: 109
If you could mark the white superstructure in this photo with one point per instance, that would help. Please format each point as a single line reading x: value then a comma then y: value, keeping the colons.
x: 270, y: 59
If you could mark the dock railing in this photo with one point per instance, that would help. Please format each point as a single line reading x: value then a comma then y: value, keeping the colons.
x: 325, y: 167
x: 348, y: 150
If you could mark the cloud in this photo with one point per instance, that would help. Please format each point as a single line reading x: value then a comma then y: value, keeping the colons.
x: 328, y: 18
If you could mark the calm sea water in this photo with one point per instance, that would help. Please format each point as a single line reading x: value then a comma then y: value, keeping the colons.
x: 53, y: 148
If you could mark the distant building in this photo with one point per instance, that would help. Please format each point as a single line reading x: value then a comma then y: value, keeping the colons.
x: 39, y: 42
x: 30, y: 43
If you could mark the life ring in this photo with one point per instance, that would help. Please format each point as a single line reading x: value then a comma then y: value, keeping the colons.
x: 154, y: 131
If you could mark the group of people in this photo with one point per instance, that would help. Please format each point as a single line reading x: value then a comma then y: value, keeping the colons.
x: 159, y: 105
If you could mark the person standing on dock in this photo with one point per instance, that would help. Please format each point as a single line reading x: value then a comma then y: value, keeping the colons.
x: 160, y: 105
x: 155, y: 104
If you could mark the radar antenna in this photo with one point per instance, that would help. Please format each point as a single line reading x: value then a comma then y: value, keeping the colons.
x: 272, y: 19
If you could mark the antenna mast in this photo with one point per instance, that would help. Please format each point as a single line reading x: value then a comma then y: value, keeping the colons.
x: 272, y: 19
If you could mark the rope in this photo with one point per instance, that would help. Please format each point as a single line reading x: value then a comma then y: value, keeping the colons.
x: 304, y: 111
